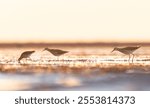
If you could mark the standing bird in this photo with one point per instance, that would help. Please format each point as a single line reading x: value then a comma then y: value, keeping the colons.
x: 127, y: 50
x: 55, y: 52
x: 25, y: 55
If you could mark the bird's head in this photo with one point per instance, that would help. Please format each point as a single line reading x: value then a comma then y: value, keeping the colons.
x: 115, y: 49
x: 33, y: 51
x: 45, y: 49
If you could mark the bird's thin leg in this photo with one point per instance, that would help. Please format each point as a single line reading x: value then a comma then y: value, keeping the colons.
x: 57, y: 58
x: 129, y: 58
x: 23, y: 61
x: 132, y: 58
x: 30, y: 59
x: 26, y: 60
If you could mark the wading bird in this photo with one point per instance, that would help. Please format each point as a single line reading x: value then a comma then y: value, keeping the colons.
x: 127, y: 50
x: 25, y: 55
x: 56, y: 52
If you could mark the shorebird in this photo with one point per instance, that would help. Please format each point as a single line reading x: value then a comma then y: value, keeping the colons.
x: 25, y: 55
x: 56, y: 52
x: 127, y: 50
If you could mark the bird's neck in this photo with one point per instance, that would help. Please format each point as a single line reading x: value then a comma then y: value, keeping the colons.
x: 118, y: 49
x: 48, y: 49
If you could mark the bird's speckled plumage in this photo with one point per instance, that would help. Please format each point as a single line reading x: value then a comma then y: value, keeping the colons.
x: 56, y: 52
x: 25, y: 54
x: 127, y: 50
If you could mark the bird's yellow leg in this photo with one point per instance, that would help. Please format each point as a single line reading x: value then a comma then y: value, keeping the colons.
x: 132, y: 58
x: 57, y: 58
x: 129, y: 58
x: 25, y: 61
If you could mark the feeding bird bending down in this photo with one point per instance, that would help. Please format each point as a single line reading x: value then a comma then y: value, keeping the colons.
x: 56, y: 52
x: 127, y: 50
x: 25, y: 55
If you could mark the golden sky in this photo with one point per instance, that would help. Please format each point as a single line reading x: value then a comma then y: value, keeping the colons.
x: 74, y: 20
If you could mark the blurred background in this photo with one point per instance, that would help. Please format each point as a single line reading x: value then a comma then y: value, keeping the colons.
x: 74, y: 21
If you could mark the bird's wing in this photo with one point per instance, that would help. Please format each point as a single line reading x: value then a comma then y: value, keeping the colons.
x: 60, y: 51
x: 130, y: 48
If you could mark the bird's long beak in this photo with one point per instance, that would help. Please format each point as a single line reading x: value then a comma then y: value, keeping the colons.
x: 113, y: 50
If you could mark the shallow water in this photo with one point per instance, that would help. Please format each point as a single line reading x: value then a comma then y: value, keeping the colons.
x: 83, y: 68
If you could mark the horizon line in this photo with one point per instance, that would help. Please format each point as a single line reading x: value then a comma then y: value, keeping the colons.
x: 66, y: 44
